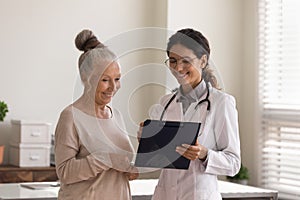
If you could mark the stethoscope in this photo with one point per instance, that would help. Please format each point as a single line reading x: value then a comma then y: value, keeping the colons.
x: 199, y: 103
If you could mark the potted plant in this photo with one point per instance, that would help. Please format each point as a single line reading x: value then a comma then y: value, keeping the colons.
x: 241, y: 177
x: 3, y: 111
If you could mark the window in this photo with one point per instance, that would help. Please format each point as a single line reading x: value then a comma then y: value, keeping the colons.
x: 279, y: 92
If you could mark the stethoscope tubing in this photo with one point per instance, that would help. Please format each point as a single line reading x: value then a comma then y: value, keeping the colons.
x: 199, y: 103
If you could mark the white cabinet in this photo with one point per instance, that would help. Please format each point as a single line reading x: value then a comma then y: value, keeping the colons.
x: 30, y: 155
x: 30, y: 132
x: 30, y: 144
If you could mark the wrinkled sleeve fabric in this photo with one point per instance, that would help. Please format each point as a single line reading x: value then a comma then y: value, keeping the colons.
x: 226, y: 159
x: 69, y: 168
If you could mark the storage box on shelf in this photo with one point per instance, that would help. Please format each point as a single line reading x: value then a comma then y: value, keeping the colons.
x: 30, y: 155
x: 30, y: 132
x: 30, y: 144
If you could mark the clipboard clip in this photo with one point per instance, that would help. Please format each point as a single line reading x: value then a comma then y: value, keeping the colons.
x: 162, y: 123
x: 170, y: 123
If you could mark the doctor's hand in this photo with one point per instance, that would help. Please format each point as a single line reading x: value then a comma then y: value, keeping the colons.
x: 192, y: 152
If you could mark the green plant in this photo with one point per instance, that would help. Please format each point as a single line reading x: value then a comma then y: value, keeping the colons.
x: 3, y: 110
x: 243, y: 174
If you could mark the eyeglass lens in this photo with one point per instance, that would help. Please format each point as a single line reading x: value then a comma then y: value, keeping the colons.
x: 172, y: 62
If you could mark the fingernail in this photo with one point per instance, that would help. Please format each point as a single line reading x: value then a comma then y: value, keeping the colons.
x: 186, y: 145
x: 178, y: 149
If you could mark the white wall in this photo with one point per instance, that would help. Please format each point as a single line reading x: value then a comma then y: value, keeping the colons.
x: 39, y: 58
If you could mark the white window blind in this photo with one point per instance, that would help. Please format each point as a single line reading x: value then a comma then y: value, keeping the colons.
x: 279, y: 91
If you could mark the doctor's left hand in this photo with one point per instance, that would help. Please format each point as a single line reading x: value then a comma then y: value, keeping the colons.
x: 192, y: 152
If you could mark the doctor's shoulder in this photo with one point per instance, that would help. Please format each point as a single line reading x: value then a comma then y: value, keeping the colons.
x: 156, y: 110
x: 220, y: 97
x: 165, y: 99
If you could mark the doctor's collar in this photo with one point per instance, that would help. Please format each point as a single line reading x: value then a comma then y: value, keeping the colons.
x: 192, y: 96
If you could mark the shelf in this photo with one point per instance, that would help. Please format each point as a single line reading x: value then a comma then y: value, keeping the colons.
x: 13, y: 174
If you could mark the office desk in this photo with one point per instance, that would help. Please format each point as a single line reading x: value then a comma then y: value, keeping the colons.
x: 143, y: 190
x: 238, y: 191
x: 140, y: 189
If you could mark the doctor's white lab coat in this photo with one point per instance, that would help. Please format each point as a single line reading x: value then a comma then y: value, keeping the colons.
x: 220, y: 135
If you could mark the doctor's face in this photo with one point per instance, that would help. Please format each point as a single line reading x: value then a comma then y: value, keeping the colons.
x: 185, y: 66
x: 108, y: 85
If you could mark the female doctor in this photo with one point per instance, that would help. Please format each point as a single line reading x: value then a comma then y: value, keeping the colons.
x: 198, y: 99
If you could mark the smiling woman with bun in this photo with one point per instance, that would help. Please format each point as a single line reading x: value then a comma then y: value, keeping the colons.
x: 92, y: 148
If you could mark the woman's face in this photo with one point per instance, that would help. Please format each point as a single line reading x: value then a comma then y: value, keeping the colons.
x: 185, y: 65
x: 108, y: 84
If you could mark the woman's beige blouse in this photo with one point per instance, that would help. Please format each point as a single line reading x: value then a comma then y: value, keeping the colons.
x: 92, y: 156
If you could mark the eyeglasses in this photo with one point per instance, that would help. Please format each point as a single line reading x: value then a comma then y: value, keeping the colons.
x: 186, y: 62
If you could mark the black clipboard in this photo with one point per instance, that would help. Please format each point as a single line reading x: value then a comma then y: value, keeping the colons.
x: 157, y: 147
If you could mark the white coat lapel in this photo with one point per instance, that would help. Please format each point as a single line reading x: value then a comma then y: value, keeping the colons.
x: 174, y: 112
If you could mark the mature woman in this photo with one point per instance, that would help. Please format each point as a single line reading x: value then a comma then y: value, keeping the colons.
x: 198, y: 99
x: 92, y: 149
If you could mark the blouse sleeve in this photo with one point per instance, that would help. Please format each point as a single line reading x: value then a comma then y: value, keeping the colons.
x: 226, y: 160
x: 71, y: 169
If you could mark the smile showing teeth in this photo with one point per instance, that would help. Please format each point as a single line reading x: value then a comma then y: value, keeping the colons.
x: 108, y: 94
x: 182, y: 76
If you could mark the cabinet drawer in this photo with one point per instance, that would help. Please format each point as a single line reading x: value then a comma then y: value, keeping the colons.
x: 30, y: 132
x: 29, y: 155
